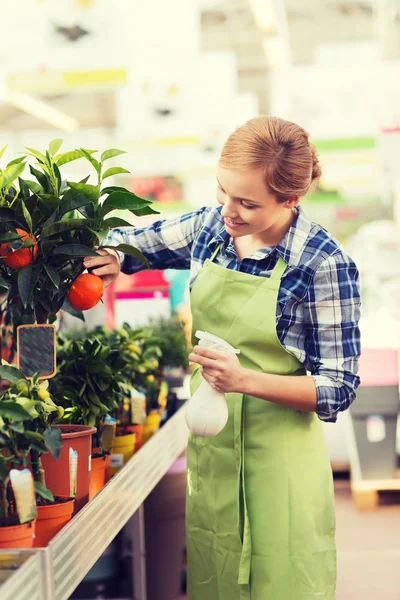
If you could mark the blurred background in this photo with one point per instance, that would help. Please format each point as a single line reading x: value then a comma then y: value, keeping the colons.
x: 167, y: 82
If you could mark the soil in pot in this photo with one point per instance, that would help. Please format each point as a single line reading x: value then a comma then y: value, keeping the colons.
x: 52, y: 516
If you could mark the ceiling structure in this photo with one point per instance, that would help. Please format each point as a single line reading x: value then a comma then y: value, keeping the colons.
x: 294, y: 34
x: 302, y: 25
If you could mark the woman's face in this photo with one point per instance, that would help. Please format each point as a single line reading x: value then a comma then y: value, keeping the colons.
x: 248, y: 207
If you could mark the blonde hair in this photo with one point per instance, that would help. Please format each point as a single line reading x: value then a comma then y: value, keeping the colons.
x: 281, y: 149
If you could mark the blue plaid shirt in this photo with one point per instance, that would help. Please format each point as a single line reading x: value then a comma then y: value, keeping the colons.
x: 318, y: 303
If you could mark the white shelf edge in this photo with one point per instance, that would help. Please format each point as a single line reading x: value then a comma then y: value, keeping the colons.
x: 27, y: 582
x: 119, y: 499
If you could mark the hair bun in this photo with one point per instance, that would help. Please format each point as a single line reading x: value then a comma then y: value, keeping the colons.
x: 316, y: 168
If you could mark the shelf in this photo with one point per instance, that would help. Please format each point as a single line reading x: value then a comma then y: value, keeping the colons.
x: 72, y: 553
x: 22, y: 575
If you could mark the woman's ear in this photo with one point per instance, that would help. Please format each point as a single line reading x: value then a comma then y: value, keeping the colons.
x: 292, y: 202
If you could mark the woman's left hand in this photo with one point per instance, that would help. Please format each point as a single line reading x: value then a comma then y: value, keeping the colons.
x: 223, y: 371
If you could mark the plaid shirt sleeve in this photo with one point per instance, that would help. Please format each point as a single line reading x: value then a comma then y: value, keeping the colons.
x: 331, y: 314
x: 166, y: 244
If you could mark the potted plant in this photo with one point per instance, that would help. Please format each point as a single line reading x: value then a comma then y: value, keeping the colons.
x: 87, y: 385
x: 48, y: 225
x: 26, y: 414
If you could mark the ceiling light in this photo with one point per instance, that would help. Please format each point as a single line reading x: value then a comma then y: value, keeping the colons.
x: 41, y: 110
x: 276, y: 52
x: 264, y: 14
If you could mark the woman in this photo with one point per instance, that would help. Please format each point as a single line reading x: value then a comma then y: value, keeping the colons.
x: 260, y: 503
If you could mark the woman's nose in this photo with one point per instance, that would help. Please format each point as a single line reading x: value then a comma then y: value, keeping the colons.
x: 228, y: 209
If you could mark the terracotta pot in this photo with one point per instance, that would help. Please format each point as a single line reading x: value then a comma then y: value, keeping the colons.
x: 122, y: 450
x: 18, y: 536
x: 50, y: 520
x: 79, y: 438
x: 97, y: 475
x: 138, y: 429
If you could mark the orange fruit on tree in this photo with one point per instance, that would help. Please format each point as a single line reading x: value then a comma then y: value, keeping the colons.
x: 86, y: 291
x: 18, y: 259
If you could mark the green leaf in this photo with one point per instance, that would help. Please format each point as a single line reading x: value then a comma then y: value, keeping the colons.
x: 142, y: 212
x: 131, y: 251
x: 75, y: 250
x: 111, y: 153
x: 73, y: 200
x: 3, y: 150
x: 18, y: 427
x: 39, y: 447
x: 54, y: 146
x: 33, y: 186
x: 10, y: 174
x: 116, y: 222
x: 9, y: 237
x: 123, y: 200
x: 49, y: 200
x: 38, y: 155
x: 43, y: 491
x: 12, y: 410
x: 41, y: 177
x: 53, y: 441
x: 53, y: 275
x: 67, y: 225
x: 16, y: 161
x: 72, y: 311
x: 91, y: 159
x: 27, y: 279
x: 58, y: 177
x: 27, y: 215
x: 67, y: 157
x: 114, y: 171
x: 11, y: 374
x: 91, y: 191
x: 8, y: 215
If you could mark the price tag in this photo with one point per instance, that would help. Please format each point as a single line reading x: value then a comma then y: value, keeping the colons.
x: 117, y: 460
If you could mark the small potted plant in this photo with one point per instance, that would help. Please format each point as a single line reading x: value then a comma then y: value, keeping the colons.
x: 26, y: 434
x: 87, y: 386
x: 15, y: 449
x: 48, y: 225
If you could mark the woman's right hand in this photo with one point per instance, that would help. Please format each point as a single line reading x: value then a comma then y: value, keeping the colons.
x: 107, y: 266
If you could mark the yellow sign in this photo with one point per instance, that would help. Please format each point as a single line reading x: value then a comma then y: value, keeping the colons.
x: 53, y: 82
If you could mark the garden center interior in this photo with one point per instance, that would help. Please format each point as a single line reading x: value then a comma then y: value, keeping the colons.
x: 114, y: 114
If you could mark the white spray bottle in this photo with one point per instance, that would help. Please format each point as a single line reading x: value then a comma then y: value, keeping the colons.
x: 207, y: 411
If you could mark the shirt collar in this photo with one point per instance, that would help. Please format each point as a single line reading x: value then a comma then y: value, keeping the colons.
x: 290, y: 248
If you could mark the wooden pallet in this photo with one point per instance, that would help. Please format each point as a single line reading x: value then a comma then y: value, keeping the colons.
x: 368, y: 495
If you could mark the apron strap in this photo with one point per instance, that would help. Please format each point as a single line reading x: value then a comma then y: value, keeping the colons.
x: 243, y: 516
x: 216, y: 251
x: 278, y: 270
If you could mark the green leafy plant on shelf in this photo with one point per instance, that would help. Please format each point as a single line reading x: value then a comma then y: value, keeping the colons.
x: 48, y: 225
x: 87, y: 383
x: 27, y: 412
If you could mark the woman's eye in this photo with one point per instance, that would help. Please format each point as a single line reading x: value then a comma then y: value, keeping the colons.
x: 248, y: 206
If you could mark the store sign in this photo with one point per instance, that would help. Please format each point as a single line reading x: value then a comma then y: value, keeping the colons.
x: 54, y: 82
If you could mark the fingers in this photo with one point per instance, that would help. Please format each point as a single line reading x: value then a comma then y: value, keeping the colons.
x: 211, y: 379
x: 208, y: 352
x: 106, y: 266
x: 94, y: 261
x: 202, y: 360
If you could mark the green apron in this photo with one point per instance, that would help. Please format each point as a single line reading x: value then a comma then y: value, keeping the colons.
x: 260, y: 516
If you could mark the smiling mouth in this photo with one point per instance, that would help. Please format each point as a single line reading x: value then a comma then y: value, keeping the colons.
x: 233, y: 224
